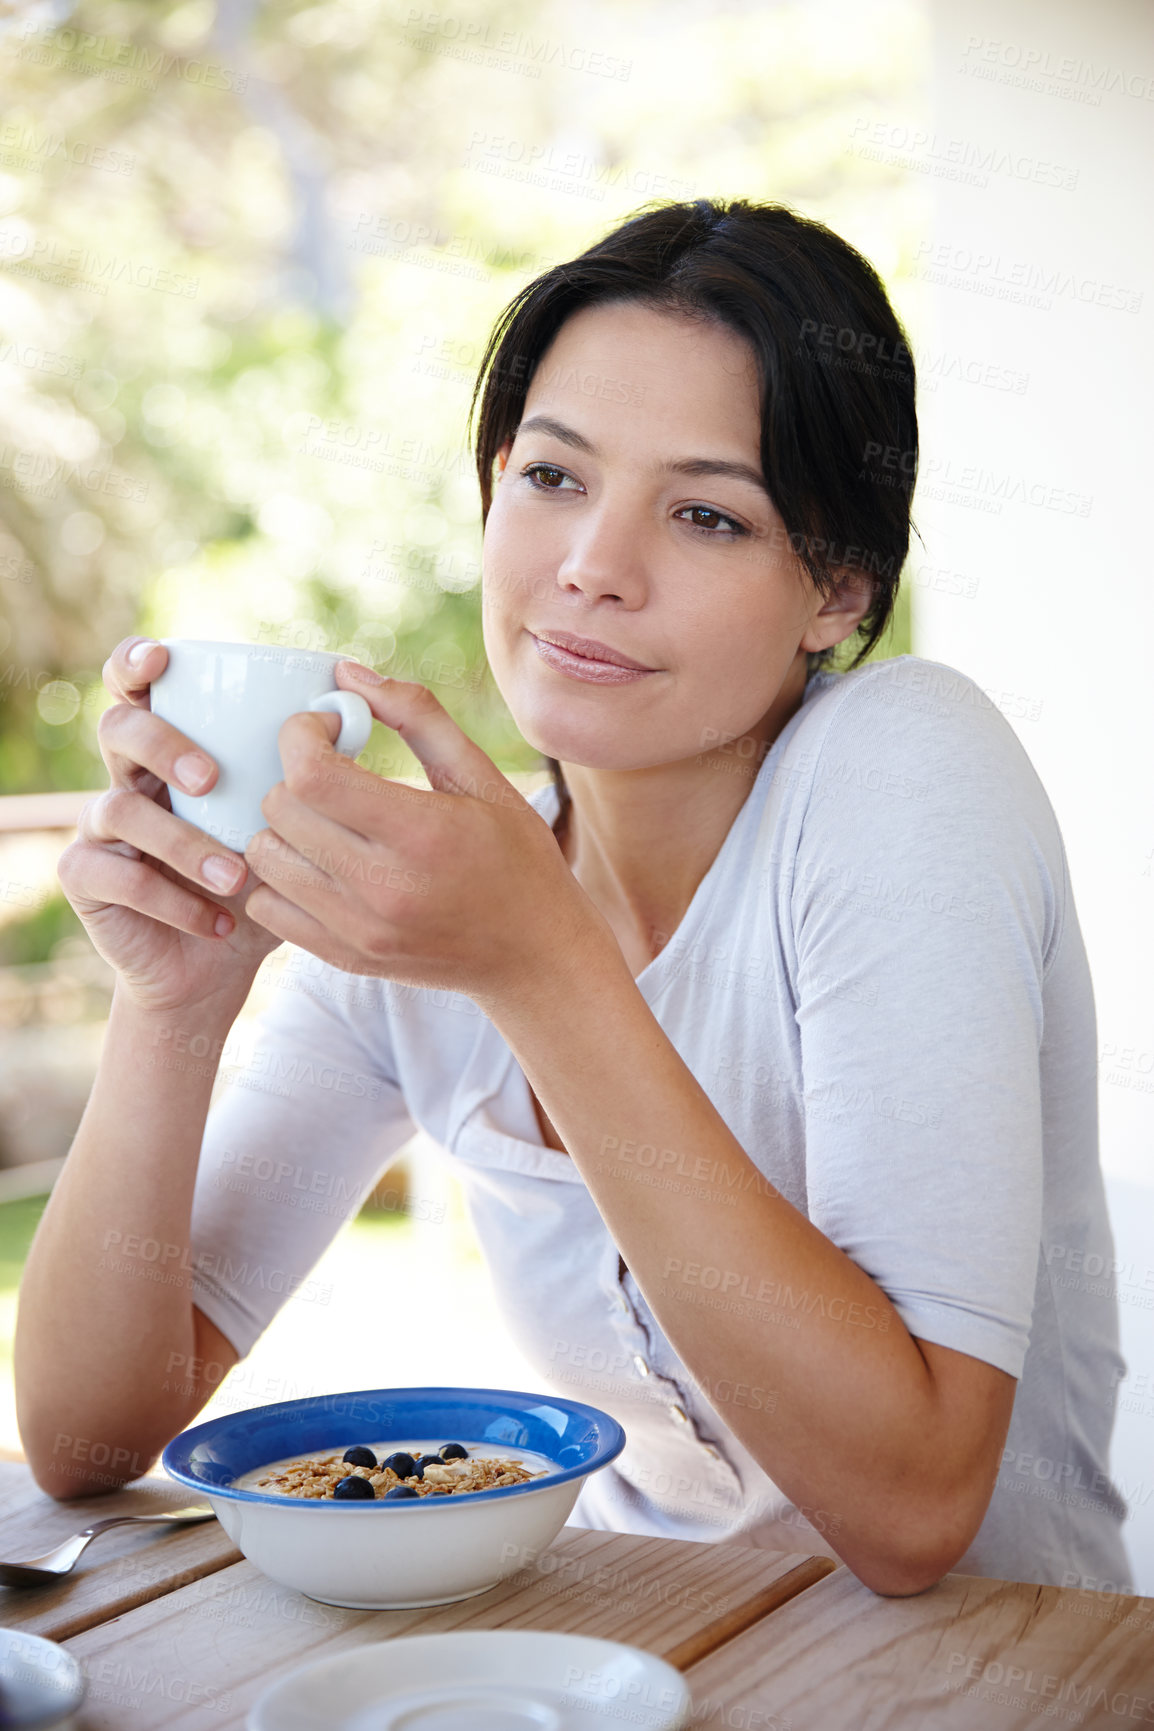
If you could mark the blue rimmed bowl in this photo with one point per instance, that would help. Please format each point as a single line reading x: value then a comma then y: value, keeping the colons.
x: 384, y: 1555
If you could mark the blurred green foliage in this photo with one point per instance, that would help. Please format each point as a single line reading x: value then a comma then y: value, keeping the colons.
x: 36, y: 937
x: 18, y: 1223
x: 248, y: 264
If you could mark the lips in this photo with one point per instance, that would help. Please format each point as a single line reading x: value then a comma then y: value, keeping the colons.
x: 590, y: 650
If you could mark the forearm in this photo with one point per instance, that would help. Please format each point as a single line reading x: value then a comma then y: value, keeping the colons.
x: 748, y: 1291
x: 106, y: 1328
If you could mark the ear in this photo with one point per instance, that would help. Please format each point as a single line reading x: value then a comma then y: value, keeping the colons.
x: 503, y: 456
x: 842, y: 612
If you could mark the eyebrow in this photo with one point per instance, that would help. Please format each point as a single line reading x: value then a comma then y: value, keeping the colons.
x: 695, y: 467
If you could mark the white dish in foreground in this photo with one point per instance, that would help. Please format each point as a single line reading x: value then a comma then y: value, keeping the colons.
x: 41, y: 1685
x: 486, y: 1680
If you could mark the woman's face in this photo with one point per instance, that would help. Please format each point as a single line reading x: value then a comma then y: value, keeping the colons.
x: 629, y: 511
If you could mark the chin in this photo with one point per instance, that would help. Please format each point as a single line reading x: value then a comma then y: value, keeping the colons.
x: 584, y: 731
x: 590, y: 748
x: 570, y: 745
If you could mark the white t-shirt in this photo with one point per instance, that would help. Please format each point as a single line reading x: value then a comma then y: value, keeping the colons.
x: 881, y: 984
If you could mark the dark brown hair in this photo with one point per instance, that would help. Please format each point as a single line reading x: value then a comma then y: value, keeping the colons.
x: 839, y: 438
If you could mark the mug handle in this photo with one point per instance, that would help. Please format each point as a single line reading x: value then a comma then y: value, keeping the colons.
x: 356, y: 719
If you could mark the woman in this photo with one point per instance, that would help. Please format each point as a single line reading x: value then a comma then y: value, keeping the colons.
x: 767, y: 1059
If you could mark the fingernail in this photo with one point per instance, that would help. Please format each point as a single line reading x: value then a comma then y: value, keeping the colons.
x: 192, y: 771
x: 221, y: 873
x: 357, y: 671
x: 223, y: 925
x: 138, y: 651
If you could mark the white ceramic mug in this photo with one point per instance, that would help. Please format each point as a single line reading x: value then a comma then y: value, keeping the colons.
x: 231, y: 699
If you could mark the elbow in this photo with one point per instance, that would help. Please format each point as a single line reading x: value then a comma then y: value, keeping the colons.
x: 64, y: 1471
x: 66, y: 1464
x: 901, y: 1577
x: 916, y: 1557
x: 69, y: 1488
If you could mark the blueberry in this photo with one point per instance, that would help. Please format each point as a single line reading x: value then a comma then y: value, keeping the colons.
x: 397, y: 1492
x: 359, y: 1456
x: 402, y: 1464
x: 454, y: 1452
x: 427, y: 1461
x: 354, y: 1489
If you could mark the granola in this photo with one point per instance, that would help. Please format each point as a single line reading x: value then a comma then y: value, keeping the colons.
x: 318, y: 1476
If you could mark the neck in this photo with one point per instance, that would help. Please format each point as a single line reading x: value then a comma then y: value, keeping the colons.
x: 639, y: 841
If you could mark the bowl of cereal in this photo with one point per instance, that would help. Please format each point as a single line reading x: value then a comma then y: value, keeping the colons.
x: 392, y: 1498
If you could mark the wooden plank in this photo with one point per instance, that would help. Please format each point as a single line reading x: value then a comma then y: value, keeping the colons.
x: 126, y: 1567
x: 22, y: 812
x: 970, y: 1655
x: 199, y: 1657
x: 32, y: 811
x: 747, y: 1612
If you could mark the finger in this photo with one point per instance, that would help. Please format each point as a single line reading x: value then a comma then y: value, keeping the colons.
x: 303, y: 841
x: 83, y: 834
x: 367, y: 803
x: 268, y: 908
x: 294, y: 875
x: 331, y: 785
x: 124, y: 816
x: 96, y: 878
x: 315, y: 879
x: 133, y: 740
x: 132, y: 666
x: 452, y: 761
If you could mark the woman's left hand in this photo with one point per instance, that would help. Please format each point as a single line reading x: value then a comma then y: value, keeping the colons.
x: 462, y: 888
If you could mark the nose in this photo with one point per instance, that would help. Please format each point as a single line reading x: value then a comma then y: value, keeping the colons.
x: 605, y: 557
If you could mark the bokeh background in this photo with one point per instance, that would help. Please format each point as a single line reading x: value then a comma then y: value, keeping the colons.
x: 249, y: 258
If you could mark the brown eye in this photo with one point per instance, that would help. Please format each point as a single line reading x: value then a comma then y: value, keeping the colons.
x: 711, y: 522
x: 545, y: 475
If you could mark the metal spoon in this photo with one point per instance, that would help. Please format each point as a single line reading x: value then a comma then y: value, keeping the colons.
x: 39, y: 1571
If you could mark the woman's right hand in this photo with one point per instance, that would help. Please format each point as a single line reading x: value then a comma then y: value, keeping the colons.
x: 162, y: 901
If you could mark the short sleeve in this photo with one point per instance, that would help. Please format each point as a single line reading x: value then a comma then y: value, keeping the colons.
x: 294, y: 1145
x: 927, y: 903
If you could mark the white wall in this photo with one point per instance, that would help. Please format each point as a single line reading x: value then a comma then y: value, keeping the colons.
x: 1037, y: 577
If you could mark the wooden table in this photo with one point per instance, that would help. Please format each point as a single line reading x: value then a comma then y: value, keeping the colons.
x: 176, y: 1630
